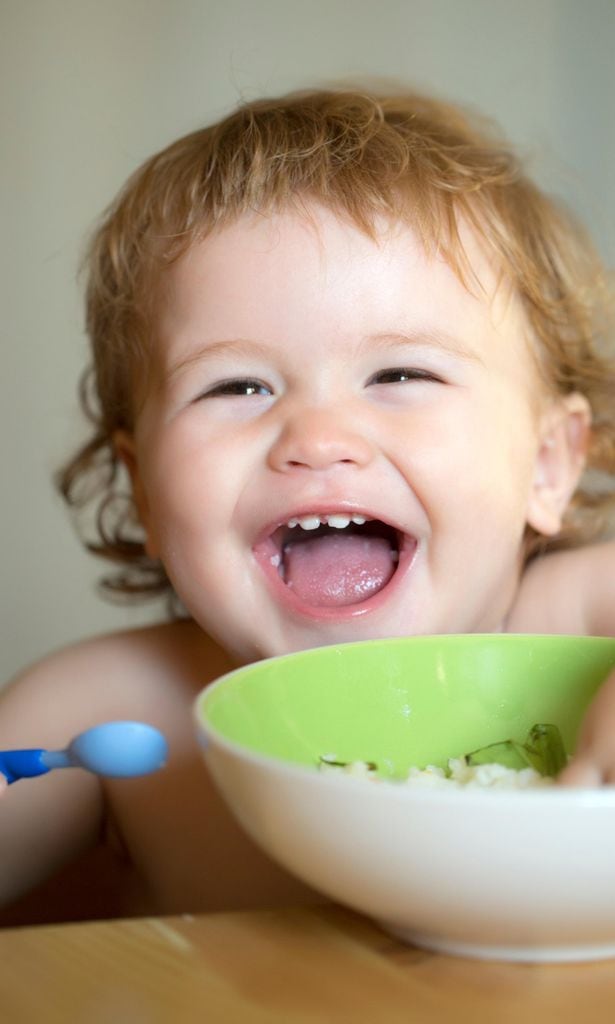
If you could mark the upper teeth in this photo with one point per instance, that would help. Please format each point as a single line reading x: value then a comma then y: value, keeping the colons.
x: 338, y: 521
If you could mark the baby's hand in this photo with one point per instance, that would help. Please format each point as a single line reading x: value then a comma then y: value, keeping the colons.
x: 593, y: 763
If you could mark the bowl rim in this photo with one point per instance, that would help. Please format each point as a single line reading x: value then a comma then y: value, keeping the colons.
x: 586, y: 797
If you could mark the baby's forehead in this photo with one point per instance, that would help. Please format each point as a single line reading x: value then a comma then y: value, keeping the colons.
x: 319, y: 284
x: 480, y: 269
x: 314, y: 238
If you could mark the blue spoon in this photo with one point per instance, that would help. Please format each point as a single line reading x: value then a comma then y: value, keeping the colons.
x: 119, y: 750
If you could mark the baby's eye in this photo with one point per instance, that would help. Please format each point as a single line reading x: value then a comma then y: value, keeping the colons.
x: 400, y: 374
x: 238, y: 386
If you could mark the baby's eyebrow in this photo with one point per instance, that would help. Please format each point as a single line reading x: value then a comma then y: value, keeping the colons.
x: 227, y: 346
x: 249, y: 347
x: 427, y: 337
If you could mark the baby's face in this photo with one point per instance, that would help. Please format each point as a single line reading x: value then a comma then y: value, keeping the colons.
x: 304, y: 372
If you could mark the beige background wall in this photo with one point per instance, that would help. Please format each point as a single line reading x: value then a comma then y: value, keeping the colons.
x: 88, y: 89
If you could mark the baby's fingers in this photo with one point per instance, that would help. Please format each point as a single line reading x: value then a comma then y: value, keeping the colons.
x: 592, y: 765
x: 583, y: 770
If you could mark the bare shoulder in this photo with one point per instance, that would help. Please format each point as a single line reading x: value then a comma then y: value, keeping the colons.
x: 133, y: 673
x: 571, y: 591
x: 169, y: 842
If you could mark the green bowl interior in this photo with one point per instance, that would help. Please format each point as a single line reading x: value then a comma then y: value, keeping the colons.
x: 407, y: 702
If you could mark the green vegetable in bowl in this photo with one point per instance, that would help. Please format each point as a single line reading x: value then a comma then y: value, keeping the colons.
x: 543, y: 751
x: 332, y: 761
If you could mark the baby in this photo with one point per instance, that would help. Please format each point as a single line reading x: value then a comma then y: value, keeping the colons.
x: 356, y: 368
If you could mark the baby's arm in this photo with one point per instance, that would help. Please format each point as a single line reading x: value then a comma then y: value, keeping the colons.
x: 593, y: 578
x: 48, y: 821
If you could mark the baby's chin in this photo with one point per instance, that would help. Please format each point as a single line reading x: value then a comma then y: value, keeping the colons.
x: 275, y: 628
x: 297, y: 639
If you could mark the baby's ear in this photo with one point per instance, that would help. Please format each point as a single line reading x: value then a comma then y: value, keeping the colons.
x: 564, y: 438
x: 125, y: 449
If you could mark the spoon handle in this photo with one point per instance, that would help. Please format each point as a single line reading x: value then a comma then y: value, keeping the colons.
x: 22, y: 764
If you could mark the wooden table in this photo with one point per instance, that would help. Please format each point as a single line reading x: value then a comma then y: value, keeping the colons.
x: 296, y: 966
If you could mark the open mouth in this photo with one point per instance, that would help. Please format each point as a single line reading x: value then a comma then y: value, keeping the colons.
x: 333, y: 560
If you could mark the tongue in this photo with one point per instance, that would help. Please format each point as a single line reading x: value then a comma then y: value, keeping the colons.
x: 337, y: 569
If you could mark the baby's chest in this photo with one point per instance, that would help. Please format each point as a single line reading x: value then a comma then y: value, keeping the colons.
x: 190, y: 854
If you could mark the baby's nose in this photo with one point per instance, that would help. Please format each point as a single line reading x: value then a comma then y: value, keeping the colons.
x: 318, y: 439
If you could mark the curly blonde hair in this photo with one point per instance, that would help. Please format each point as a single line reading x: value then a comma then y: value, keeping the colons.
x: 362, y: 155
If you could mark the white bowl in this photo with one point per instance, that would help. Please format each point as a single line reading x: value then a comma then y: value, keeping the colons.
x: 522, y: 875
